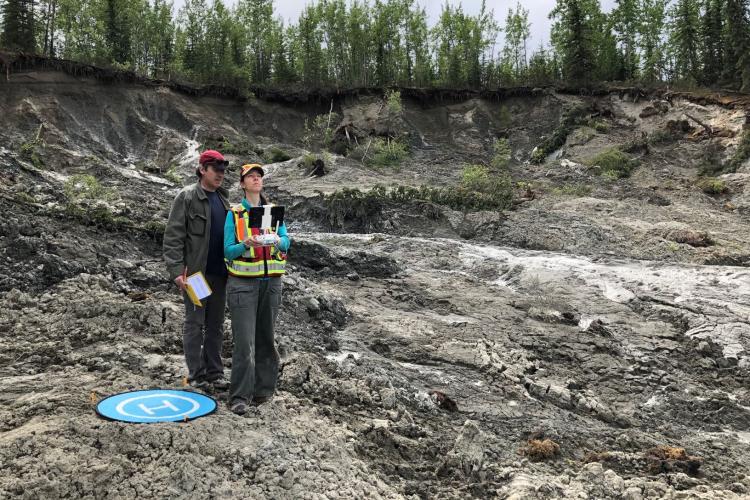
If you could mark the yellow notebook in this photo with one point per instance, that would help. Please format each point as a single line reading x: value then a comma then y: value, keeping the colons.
x: 197, y: 288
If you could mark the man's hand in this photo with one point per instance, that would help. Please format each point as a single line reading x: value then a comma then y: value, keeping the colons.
x: 180, y: 282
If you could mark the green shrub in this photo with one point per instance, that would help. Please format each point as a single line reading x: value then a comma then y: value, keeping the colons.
x: 237, y: 146
x: 386, y: 152
x: 474, y: 176
x: 86, y: 187
x: 393, y: 100
x: 352, y: 204
x: 599, y: 125
x: 172, y: 175
x: 30, y: 151
x: 570, y: 120
x: 365, y: 207
x: 505, y: 119
x: 661, y: 136
x: 742, y: 154
x: 712, y: 185
x: 613, y: 163
x: 24, y: 197
x: 308, y: 159
x: 319, y: 134
x: 502, y: 153
x: 275, y: 154
x: 497, y: 186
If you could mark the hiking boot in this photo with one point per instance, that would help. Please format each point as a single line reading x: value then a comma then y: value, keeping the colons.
x: 220, y: 384
x: 200, y: 384
x: 259, y: 400
x: 238, y: 407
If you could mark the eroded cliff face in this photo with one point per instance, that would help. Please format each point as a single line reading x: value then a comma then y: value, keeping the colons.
x: 427, y: 352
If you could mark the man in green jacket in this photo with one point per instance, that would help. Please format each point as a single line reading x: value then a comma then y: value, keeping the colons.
x: 194, y: 241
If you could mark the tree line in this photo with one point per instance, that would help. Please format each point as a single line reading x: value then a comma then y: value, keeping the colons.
x: 339, y: 43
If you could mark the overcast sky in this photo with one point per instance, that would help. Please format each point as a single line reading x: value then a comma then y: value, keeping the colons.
x: 289, y: 10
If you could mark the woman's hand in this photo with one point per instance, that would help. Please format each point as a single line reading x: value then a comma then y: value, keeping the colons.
x: 251, y: 242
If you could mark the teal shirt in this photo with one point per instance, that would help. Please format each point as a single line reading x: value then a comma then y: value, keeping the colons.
x: 232, y: 249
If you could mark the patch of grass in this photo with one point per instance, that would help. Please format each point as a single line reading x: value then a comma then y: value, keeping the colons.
x: 570, y: 120
x: 578, y: 190
x: 712, y: 185
x: 613, y: 163
x: 274, y: 154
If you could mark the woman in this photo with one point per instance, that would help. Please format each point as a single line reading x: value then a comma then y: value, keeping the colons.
x: 255, y: 268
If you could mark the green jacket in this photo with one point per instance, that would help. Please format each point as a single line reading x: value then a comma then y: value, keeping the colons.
x: 188, y: 229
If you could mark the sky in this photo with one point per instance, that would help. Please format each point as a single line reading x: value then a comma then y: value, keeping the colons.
x: 289, y: 10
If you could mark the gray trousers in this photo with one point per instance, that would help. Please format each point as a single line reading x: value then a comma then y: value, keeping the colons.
x: 203, y: 332
x: 254, y: 304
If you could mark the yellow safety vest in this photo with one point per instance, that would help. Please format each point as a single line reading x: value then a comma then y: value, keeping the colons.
x: 261, y: 262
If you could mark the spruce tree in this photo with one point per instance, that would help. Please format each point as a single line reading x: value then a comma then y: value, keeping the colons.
x: 626, y: 22
x: 652, y: 29
x: 573, y: 36
x: 736, y: 69
x: 685, y: 40
x: 711, y: 33
x: 18, y: 25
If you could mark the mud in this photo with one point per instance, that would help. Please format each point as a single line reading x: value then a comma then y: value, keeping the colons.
x: 422, y: 356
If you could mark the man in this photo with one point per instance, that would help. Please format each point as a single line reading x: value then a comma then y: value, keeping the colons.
x: 194, y: 241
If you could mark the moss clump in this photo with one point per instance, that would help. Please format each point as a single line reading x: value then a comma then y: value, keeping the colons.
x: 712, y: 185
x: 613, y: 163
x: 540, y: 449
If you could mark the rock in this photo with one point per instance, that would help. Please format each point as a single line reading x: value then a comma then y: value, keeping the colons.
x: 467, y: 454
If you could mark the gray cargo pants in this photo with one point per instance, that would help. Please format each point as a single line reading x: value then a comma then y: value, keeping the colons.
x: 203, y: 332
x: 254, y: 304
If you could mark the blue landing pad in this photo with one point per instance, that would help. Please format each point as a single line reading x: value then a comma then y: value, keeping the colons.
x: 147, y: 407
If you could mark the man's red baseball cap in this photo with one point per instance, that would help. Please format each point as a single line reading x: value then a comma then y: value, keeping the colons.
x: 214, y: 158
